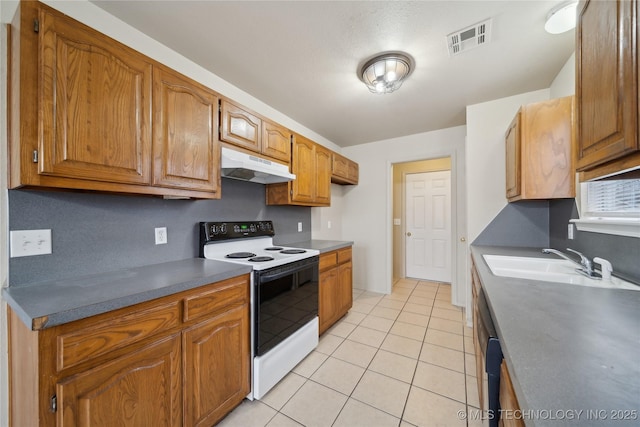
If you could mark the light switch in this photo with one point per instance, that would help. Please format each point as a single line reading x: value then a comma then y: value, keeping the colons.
x: 396, y: 221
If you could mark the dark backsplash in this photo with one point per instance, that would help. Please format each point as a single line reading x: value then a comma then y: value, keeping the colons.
x: 95, y: 233
x: 623, y: 252
x: 521, y: 224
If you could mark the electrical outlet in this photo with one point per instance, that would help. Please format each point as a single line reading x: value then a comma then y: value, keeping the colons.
x: 328, y: 224
x: 299, y: 227
x: 161, y: 235
x: 570, y: 231
x: 30, y: 242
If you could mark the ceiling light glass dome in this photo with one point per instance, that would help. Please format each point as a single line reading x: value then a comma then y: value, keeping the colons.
x: 385, y: 73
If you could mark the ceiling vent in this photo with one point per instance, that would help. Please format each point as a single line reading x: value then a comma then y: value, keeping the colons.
x: 469, y: 38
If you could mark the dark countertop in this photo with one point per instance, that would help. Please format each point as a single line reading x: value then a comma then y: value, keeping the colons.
x: 46, y: 304
x: 568, y: 348
x: 321, y: 245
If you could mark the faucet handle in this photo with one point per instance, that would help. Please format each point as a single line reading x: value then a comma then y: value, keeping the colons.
x: 586, y: 263
x: 605, y: 267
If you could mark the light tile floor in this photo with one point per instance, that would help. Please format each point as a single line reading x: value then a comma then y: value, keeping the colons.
x: 401, y: 360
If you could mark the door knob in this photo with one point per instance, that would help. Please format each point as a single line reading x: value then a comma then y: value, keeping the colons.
x: 462, y: 239
x: 408, y: 233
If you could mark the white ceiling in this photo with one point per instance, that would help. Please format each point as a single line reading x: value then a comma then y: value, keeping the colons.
x: 300, y: 57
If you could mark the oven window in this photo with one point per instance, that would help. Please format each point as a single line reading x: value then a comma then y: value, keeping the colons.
x: 286, y: 303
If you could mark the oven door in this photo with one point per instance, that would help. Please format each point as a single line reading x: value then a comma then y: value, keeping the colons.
x: 286, y: 298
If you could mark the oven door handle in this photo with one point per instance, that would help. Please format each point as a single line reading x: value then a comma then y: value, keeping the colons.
x: 273, y: 276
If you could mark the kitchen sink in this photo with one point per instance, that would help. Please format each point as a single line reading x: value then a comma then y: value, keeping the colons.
x: 549, y: 270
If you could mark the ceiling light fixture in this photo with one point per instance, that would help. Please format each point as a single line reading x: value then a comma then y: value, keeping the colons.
x: 562, y: 18
x: 386, y: 72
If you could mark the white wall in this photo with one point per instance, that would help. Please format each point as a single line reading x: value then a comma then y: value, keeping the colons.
x: 486, y: 125
x: 321, y: 217
x: 366, y: 209
x: 565, y: 82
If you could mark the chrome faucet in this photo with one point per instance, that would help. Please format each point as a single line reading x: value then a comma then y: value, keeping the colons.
x: 586, y: 267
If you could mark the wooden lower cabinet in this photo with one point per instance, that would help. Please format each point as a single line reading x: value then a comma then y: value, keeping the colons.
x: 336, y: 287
x: 142, y: 388
x: 180, y: 360
x: 216, y: 378
x: 509, y: 407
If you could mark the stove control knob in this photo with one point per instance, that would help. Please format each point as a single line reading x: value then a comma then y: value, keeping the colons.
x: 214, y: 229
x: 223, y: 228
x: 252, y: 228
x: 236, y: 228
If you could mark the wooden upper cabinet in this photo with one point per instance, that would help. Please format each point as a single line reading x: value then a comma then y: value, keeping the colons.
x: 185, y: 143
x: 81, y: 112
x: 323, y: 175
x: 239, y: 127
x: 304, y: 167
x: 244, y: 129
x: 607, y: 87
x: 343, y: 170
x: 95, y: 105
x: 276, y: 141
x: 311, y: 163
x: 540, y: 151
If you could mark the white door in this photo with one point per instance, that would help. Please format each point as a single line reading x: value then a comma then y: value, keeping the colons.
x: 428, y: 226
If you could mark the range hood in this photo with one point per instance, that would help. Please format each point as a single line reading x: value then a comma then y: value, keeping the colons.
x: 247, y: 167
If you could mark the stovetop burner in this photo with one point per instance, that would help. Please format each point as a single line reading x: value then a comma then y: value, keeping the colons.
x: 293, y: 251
x: 240, y: 255
x: 261, y: 259
x: 274, y: 248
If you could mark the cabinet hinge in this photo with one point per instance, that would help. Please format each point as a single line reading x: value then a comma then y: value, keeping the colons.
x: 36, y: 26
x: 54, y: 403
x: 35, y: 156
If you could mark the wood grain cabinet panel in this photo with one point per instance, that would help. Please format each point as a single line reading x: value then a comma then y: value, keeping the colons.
x: 336, y: 287
x: 240, y: 127
x: 276, y: 141
x: 95, y: 103
x: 311, y: 163
x: 343, y: 170
x: 539, y: 146
x: 143, y: 388
x: 81, y: 113
x: 509, y: 407
x: 216, y: 357
x: 607, y: 87
x: 185, y: 143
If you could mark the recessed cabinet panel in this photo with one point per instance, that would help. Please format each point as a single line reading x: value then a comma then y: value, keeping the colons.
x: 539, y: 151
x: 276, y: 141
x: 239, y: 127
x: 304, y: 167
x: 336, y: 287
x: 139, y: 389
x: 343, y: 170
x: 95, y: 106
x: 185, y: 144
x: 607, y: 84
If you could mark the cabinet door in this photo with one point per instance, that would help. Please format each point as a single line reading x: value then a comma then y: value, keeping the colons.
x: 239, y: 127
x: 95, y: 105
x: 328, y: 299
x: 354, y: 172
x: 304, y: 167
x: 276, y: 141
x: 142, y: 388
x: 340, y: 166
x: 323, y: 176
x: 185, y: 145
x: 606, y: 81
x: 216, y: 360
x: 512, y: 140
x: 345, y: 279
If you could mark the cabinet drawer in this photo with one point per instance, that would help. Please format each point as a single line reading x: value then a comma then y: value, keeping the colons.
x: 328, y: 260
x: 218, y: 297
x: 95, y: 339
x: 344, y: 255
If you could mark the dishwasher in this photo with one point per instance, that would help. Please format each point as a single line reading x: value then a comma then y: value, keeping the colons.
x: 490, y: 345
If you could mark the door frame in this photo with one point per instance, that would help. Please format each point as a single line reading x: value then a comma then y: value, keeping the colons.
x: 404, y: 220
x: 459, y: 247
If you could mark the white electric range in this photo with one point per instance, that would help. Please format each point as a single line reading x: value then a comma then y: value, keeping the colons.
x: 284, y: 295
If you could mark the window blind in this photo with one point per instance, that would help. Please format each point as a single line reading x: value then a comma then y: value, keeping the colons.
x: 614, y: 198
